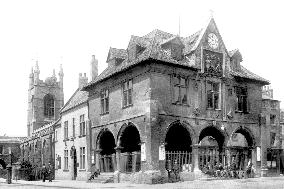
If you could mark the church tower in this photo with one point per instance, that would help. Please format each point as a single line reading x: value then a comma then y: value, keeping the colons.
x: 45, y: 98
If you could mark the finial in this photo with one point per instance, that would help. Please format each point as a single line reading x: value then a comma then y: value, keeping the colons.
x: 211, y: 12
x: 53, y: 74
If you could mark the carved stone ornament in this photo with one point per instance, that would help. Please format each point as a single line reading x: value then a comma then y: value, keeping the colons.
x: 196, y: 112
x: 212, y: 63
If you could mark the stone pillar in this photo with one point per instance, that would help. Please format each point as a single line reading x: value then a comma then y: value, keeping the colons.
x: 264, y: 123
x: 118, y: 151
x: 228, y: 152
x: 195, y: 153
x: 97, y: 160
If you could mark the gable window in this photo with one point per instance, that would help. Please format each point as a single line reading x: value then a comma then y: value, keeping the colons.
x: 104, y: 101
x: 82, y: 157
x: 73, y: 126
x: 65, y: 130
x: 48, y: 106
x: 127, y: 89
x: 65, y: 159
x: 242, y: 104
x: 180, y: 90
x: 82, y: 125
x: 213, y: 95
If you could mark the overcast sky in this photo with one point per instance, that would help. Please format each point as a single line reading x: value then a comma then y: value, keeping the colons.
x: 69, y: 32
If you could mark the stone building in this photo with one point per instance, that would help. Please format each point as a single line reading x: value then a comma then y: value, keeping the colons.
x: 72, y: 136
x: 271, y: 110
x: 45, y: 99
x: 167, y: 98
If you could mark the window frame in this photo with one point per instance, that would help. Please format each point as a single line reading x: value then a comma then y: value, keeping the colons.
x: 242, y: 104
x: 104, y: 95
x: 180, y: 86
x: 127, y: 93
x: 82, y: 125
x: 65, y: 130
x: 66, y: 159
x: 213, y: 94
x: 82, y: 164
x: 49, y: 106
x: 73, y: 127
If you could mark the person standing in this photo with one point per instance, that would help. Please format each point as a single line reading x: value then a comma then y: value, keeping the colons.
x: 43, y: 173
x: 49, y: 172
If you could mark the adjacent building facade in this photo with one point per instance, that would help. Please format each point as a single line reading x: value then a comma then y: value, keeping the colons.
x: 167, y: 98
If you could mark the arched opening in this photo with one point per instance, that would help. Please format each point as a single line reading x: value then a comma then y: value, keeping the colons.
x: 48, y: 105
x: 130, y: 143
x: 178, y: 147
x: 240, y: 146
x: 106, y: 144
x: 211, y: 152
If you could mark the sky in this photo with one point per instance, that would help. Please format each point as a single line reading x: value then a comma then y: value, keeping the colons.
x: 69, y: 32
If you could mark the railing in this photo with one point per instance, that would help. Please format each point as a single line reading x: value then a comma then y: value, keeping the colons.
x: 182, y: 158
x: 130, y: 162
x: 107, y: 163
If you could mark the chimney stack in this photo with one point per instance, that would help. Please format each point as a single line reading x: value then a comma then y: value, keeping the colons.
x: 83, y: 80
x: 94, y: 68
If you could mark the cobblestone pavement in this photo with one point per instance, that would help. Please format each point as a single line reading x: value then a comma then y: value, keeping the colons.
x: 255, y: 183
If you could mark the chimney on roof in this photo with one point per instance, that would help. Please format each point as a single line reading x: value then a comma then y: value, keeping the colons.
x: 83, y: 80
x: 94, y: 68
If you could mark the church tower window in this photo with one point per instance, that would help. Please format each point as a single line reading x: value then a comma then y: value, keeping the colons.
x: 48, y: 106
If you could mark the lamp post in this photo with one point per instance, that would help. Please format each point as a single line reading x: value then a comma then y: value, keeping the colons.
x: 9, y: 168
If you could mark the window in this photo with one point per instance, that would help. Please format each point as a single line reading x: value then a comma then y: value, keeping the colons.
x: 272, y: 119
x: 272, y: 138
x: 82, y: 157
x: 48, y: 106
x: 213, y: 95
x: 242, y: 105
x: 82, y: 125
x: 104, y: 101
x: 65, y: 159
x: 66, y: 130
x: 180, y: 90
x: 127, y: 93
x: 273, y: 104
x: 73, y: 126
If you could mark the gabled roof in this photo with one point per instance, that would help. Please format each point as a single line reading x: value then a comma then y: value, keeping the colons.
x: 245, y: 73
x: 79, y: 97
x: 235, y: 52
x: 116, y: 53
x: 152, y: 42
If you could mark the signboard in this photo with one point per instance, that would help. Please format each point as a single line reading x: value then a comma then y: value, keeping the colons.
x: 162, y: 154
x: 257, y: 153
x: 143, y: 152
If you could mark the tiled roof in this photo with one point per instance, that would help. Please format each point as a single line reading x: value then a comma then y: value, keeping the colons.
x: 245, y: 73
x: 116, y: 53
x: 77, y: 98
x: 152, y: 42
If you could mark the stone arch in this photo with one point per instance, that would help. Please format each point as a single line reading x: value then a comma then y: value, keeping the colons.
x: 247, y: 133
x: 122, y: 130
x: 187, y: 126
x: 182, y: 143
x: 105, y: 141
x: 220, y: 136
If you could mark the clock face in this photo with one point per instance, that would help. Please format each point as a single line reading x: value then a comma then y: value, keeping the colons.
x: 213, y: 40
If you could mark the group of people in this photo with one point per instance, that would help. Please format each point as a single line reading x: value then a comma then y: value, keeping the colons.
x: 230, y: 171
x: 46, y: 172
x: 173, y: 171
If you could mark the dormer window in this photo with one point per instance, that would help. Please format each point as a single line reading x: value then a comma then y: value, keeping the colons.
x: 175, y: 47
x: 139, y: 50
x: 118, y: 61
